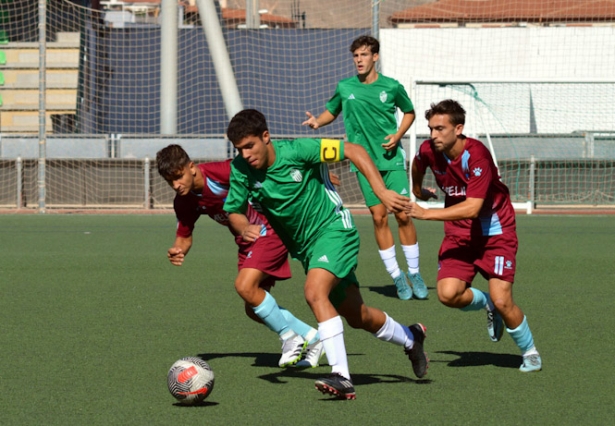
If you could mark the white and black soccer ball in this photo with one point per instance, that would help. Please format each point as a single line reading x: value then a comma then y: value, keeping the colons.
x: 190, y: 380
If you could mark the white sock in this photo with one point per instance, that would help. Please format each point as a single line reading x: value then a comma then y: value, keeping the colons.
x: 390, y: 262
x: 394, y: 332
x: 332, y: 337
x: 412, y: 257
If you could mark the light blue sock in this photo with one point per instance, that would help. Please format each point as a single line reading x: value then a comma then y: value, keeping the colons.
x: 479, y: 301
x: 522, y: 336
x: 302, y: 329
x: 272, y: 316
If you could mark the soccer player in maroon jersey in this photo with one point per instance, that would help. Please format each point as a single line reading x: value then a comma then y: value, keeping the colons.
x: 201, y: 189
x: 480, y: 231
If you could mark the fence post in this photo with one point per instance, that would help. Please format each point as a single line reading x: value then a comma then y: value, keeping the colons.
x: 19, y: 167
x: 146, y: 183
x: 42, y: 113
x: 532, y: 183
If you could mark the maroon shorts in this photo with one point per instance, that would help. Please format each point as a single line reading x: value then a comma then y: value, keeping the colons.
x: 494, y: 257
x: 267, y: 254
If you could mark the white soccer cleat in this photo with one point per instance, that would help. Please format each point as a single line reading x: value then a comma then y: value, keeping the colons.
x: 315, y: 351
x: 292, y: 348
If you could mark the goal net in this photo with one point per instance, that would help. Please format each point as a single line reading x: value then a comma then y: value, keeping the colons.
x: 535, y: 77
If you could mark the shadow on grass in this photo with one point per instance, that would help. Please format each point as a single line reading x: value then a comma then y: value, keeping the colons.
x: 384, y: 290
x: 388, y: 290
x: 476, y: 359
x: 196, y: 405
x: 260, y: 359
x: 271, y: 360
x: 357, y: 378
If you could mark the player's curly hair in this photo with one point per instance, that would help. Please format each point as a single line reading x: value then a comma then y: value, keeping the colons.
x: 450, y: 107
x: 171, y: 161
x: 365, y: 40
x: 248, y: 122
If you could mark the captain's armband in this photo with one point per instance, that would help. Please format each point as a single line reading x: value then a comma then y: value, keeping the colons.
x: 331, y: 150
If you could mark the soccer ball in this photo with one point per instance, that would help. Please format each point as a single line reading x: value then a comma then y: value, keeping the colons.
x: 190, y: 380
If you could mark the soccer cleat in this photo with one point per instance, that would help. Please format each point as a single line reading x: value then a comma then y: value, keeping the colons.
x: 495, y: 325
x: 419, y: 289
x: 531, y: 363
x: 404, y: 292
x: 292, y: 348
x: 337, y: 385
x: 312, y: 357
x: 417, y: 355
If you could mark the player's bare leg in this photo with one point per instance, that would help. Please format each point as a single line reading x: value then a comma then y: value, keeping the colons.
x: 501, y: 296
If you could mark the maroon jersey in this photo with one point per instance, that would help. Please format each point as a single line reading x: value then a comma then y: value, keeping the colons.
x: 472, y: 174
x: 210, y: 201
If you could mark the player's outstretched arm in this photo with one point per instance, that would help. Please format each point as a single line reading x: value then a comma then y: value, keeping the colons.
x: 467, y: 209
x: 180, y: 249
x: 360, y: 158
x: 323, y: 119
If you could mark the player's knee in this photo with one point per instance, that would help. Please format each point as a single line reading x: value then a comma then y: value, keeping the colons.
x: 448, y: 296
x: 380, y: 220
x: 244, y: 288
x: 403, y: 219
x: 313, y: 296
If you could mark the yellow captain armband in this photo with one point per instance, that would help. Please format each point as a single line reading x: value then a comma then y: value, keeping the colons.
x: 331, y: 151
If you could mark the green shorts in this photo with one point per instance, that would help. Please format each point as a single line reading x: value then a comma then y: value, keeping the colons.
x: 395, y: 180
x: 337, y: 251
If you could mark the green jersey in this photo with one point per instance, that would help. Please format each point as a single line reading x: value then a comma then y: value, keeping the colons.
x: 369, y: 116
x: 295, y: 193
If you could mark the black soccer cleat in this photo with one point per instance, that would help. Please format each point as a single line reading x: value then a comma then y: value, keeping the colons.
x: 337, y: 385
x: 417, y: 355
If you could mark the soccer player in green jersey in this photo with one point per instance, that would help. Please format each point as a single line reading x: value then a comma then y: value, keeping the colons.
x: 369, y: 101
x: 290, y: 181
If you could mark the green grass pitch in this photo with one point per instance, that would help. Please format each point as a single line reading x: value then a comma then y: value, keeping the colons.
x: 92, y: 316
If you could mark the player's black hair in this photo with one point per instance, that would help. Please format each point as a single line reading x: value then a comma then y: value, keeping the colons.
x: 248, y: 122
x: 171, y: 161
x: 454, y: 110
x: 365, y: 40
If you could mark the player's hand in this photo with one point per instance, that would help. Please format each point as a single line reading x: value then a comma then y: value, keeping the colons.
x: 416, y: 211
x: 394, y: 202
x: 252, y: 232
x: 335, y: 179
x: 311, y: 121
x: 176, y: 256
x: 391, y: 142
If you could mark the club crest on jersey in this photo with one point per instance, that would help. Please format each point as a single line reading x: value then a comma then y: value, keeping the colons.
x: 296, y: 175
x: 383, y: 96
x: 477, y: 171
